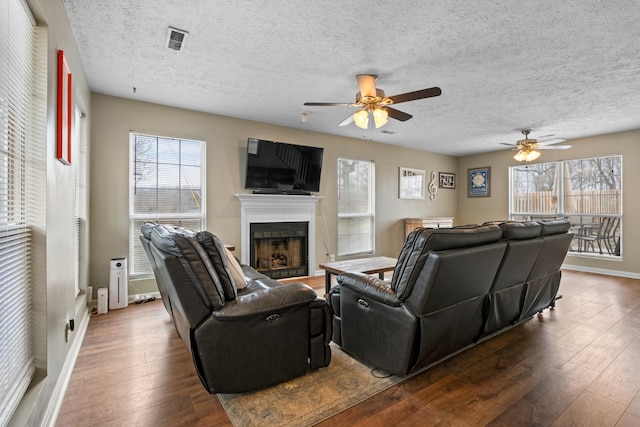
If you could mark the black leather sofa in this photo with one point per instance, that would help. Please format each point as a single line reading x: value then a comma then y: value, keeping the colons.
x: 240, y: 338
x: 451, y: 288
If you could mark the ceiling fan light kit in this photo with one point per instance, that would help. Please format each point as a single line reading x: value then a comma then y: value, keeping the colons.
x: 361, y: 119
x: 372, y: 101
x: 526, y: 155
x: 527, y: 147
x: 380, y: 117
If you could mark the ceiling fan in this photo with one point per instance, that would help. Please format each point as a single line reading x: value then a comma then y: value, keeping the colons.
x: 372, y: 102
x: 527, y: 147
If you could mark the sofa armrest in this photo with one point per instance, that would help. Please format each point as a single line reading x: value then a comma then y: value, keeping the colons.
x: 261, y: 301
x: 369, y: 286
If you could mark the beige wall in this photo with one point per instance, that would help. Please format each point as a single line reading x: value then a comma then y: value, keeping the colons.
x: 478, y: 210
x: 226, y: 140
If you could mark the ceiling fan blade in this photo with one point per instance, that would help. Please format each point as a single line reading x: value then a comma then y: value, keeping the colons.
x: 510, y: 145
x: 553, y: 147
x: 398, y: 115
x: 347, y: 121
x: 418, y: 94
x: 327, y: 104
x: 551, y: 141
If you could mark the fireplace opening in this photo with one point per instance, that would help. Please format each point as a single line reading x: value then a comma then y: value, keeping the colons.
x: 279, y: 249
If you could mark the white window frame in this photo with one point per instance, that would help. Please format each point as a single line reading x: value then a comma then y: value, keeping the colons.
x: 80, y: 198
x: 189, y: 219
x: 560, y: 203
x: 347, y: 217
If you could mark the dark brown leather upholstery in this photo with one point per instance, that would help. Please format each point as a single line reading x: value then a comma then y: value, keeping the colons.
x: 239, y: 339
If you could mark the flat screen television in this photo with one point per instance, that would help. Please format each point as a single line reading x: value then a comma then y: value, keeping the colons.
x: 282, y: 168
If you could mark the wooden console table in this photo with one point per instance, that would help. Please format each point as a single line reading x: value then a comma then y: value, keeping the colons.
x: 372, y: 265
x: 411, y: 224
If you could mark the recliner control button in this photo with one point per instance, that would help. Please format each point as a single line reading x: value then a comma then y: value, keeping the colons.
x: 363, y: 303
x: 273, y: 317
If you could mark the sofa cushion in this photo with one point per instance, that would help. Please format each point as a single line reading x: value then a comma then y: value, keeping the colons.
x: 459, y: 237
x: 512, y: 230
x: 146, y: 229
x: 237, y: 276
x: 162, y: 236
x: 182, y: 244
x: 556, y: 226
x: 424, y: 240
x: 218, y: 255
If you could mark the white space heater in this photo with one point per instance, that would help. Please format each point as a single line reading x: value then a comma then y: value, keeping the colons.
x: 103, y: 303
x: 118, y: 284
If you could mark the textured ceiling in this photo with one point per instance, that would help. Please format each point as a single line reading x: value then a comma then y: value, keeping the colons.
x: 566, y: 68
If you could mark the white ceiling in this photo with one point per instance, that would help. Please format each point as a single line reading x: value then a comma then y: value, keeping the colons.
x: 567, y: 68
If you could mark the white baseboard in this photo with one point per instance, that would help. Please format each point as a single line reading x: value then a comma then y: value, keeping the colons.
x: 604, y: 271
x: 55, y: 402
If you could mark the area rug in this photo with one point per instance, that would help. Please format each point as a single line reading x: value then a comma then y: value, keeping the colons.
x: 309, y: 399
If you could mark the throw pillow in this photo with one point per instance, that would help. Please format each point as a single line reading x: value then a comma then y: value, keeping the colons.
x: 236, y: 271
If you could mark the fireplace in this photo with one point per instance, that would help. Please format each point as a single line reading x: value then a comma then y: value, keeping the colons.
x: 272, y: 212
x: 279, y: 249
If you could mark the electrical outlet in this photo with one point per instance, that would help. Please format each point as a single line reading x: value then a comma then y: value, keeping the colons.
x: 332, y: 258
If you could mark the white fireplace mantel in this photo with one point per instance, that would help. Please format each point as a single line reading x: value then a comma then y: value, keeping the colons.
x: 277, y: 208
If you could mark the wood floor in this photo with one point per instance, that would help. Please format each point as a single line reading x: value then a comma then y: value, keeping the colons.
x: 577, y: 365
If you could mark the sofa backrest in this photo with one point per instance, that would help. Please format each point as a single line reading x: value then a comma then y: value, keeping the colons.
x: 456, y: 258
x: 523, y: 247
x: 145, y: 240
x: 556, y: 243
x: 200, y: 262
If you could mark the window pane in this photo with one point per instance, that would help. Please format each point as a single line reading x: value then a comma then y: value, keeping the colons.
x: 166, y: 185
x: 191, y: 189
x: 590, y: 196
x: 355, y: 206
x: 535, y: 189
x: 168, y: 151
x: 191, y: 152
x: 595, y: 185
x: 355, y: 235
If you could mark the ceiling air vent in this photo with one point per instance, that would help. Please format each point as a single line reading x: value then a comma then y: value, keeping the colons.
x: 176, y: 38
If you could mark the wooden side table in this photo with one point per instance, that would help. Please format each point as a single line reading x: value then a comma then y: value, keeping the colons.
x: 411, y: 224
x: 372, y: 265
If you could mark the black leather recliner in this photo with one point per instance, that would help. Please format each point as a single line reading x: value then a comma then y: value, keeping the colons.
x: 450, y: 288
x: 433, y: 306
x: 239, y: 339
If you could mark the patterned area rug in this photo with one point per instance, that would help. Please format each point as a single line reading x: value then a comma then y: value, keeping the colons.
x: 309, y: 399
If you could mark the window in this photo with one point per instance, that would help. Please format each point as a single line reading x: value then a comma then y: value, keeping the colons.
x: 356, y: 206
x: 80, y: 197
x: 166, y: 186
x: 588, y: 192
x: 22, y: 85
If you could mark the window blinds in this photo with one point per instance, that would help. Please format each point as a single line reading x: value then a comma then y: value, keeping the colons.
x: 166, y: 186
x: 356, y: 206
x: 19, y: 187
x: 80, y: 192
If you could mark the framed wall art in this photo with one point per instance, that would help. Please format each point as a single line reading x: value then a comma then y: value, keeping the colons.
x: 479, y: 182
x: 411, y: 183
x: 64, y: 110
x: 446, y: 180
